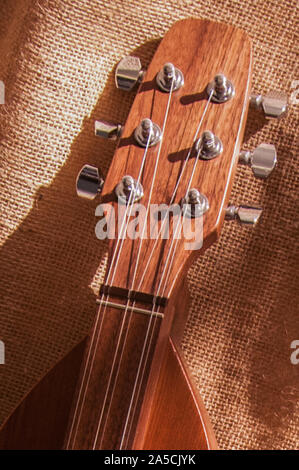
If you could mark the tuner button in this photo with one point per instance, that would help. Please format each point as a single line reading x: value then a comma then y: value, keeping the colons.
x: 262, y: 160
x: 89, y: 182
x: 108, y: 130
x: 128, y: 73
x: 245, y: 214
x: 274, y: 104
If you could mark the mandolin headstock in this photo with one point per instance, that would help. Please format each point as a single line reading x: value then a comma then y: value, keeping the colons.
x: 179, y: 148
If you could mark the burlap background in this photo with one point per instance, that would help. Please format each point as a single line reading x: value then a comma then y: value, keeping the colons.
x: 56, y: 61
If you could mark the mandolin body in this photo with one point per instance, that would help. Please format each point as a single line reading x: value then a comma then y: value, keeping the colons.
x: 171, y: 420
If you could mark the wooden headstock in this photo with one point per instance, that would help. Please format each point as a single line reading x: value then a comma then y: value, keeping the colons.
x: 200, y: 49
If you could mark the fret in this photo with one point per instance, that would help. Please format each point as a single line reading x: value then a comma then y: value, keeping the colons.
x: 130, y: 308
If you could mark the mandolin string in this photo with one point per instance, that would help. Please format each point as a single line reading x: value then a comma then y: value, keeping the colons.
x: 158, y: 290
x: 130, y: 290
x: 87, y: 360
x: 174, y: 192
x: 108, y: 296
x: 176, y: 240
x: 154, y: 324
x: 93, y: 336
x: 176, y: 231
x: 116, y: 253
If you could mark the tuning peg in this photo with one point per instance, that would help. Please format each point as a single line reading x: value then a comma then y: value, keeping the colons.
x: 89, y: 182
x: 128, y: 72
x: 274, y: 104
x: 262, y: 160
x: 245, y: 214
x: 108, y: 130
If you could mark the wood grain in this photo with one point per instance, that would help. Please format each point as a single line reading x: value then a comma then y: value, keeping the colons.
x: 103, y: 401
x: 200, y: 49
x: 178, y: 419
x: 40, y: 421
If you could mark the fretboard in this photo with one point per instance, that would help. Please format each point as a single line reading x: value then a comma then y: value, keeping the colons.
x: 114, y: 376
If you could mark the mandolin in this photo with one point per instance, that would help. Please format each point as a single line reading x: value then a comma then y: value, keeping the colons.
x: 162, y: 204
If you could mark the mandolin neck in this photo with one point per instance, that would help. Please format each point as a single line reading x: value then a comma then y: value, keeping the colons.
x: 114, y: 376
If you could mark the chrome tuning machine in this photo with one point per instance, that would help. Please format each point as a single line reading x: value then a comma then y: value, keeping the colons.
x: 108, y: 130
x: 246, y: 215
x: 208, y: 145
x: 262, y: 160
x: 194, y: 204
x: 128, y: 73
x: 129, y: 190
x: 274, y: 104
x: 221, y: 88
x: 147, y: 133
x: 169, y: 78
x: 89, y: 182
